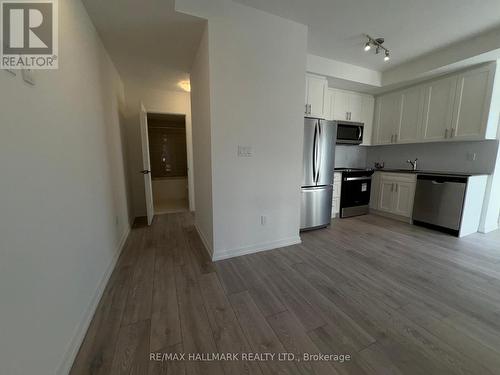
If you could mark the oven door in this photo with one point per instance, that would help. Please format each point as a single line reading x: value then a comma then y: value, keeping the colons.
x: 349, y: 133
x: 355, y: 196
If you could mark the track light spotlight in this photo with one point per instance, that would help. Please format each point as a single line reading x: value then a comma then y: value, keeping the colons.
x: 378, y: 44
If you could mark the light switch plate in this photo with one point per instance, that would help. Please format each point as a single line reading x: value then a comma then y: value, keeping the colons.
x: 245, y: 151
x: 28, y: 76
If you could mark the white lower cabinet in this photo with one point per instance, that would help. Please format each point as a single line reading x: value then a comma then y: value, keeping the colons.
x: 337, y: 184
x: 393, y: 193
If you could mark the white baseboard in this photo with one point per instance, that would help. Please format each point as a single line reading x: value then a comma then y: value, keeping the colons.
x: 207, y: 246
x: 488, y: 229
x: 256, y: 248
x: 83, y: 326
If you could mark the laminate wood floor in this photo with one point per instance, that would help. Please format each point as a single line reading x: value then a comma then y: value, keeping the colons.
x: 397, y: 298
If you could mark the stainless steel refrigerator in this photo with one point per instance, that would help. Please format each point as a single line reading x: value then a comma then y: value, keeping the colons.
x: 319, y: 156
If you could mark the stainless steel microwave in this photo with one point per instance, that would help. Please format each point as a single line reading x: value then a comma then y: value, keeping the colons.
x: 349, y: 133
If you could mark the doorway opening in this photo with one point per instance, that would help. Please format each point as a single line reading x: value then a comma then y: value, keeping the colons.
x: 168, y: 158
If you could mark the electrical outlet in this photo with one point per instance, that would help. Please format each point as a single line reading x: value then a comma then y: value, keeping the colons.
x: 263, y: 220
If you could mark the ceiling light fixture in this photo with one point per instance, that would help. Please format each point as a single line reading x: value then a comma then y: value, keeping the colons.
x: 185, y: 85
x: 378, y: 44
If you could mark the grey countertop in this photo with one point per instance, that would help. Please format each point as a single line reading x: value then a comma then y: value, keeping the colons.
x: 423, y: 171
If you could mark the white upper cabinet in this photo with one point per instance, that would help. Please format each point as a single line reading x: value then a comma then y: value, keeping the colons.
x: 352, y: 106
x: 412, y: 101
x: 347, y: 105
x: 367, y: 119
x: 315, y: 99
x: 355, y: 107
x: 339, y: 105
x: 438, y: 109
x: 387, y: 118
x: 456, y: 107
x: 473, y: 96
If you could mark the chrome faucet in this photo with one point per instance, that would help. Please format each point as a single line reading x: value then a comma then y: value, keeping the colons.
x: 413, y: 164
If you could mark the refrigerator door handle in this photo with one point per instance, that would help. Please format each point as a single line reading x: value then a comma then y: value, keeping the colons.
x: 314, y: 151
x: 319, y: 149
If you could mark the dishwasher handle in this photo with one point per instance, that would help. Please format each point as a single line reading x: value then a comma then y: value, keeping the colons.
x: 441, y: 179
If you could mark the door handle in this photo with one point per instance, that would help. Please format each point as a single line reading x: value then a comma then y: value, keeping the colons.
x: 357, y: 178
x: 315, y: 140
x: 145, y: 171
x: 319, y: 150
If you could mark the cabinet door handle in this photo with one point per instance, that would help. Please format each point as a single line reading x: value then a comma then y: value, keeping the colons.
x: 396, y: 188
x: 446, y: 133
x: 452, y: 133
x: 350, y: 115
x: 310, y: 108
x: 392, y: 138
x: 395, y: 138
x: 392, y: 187
x: 305, y: 110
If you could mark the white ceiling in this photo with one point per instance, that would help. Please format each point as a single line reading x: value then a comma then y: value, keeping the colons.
x: 151, y: 45
x: 411, y: 28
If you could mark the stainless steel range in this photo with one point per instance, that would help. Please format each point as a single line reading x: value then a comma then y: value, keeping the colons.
x: 355, y: 191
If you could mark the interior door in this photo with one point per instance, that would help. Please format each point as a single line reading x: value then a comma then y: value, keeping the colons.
x: 146, y: 164
x: 438, y: 110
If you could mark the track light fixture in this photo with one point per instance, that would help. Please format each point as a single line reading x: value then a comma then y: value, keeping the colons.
x: 378, y: 44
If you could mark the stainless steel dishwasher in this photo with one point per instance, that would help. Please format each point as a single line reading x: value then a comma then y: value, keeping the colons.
x: 439, y: 202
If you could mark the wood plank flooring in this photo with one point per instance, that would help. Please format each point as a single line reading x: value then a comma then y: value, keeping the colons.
x: 397, y: 298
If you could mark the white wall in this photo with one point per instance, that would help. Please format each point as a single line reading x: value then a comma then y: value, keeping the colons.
x: 341, y: 70
x: 63, y: 199
x: 202, y: 142
x: 177, y: 102
x: 257, y: 68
